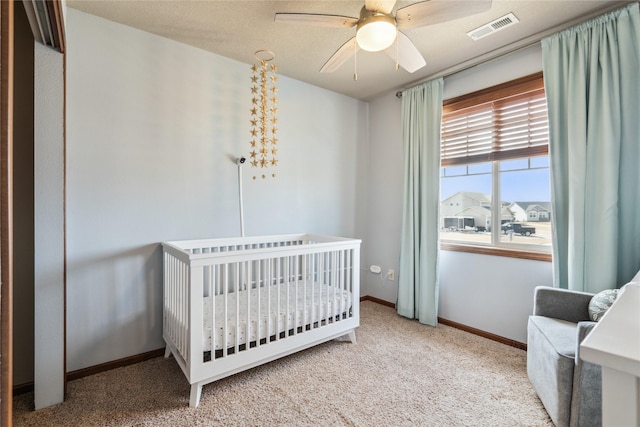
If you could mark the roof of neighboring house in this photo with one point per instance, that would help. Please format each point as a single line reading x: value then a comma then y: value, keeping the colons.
x: 472, y: 195
x: 537, y: 206
x: 478, y: 209
x: 505, y: 212
x: 481, y: 210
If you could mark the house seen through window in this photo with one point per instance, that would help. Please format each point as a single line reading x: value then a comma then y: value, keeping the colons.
x: 495, y: 188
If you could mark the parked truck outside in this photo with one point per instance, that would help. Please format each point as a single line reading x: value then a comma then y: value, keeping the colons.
x: 517, y: 228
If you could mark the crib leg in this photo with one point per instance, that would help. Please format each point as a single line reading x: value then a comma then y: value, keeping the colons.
x: 167, y: 352
x: 352, y: 336
x: 196, y: 392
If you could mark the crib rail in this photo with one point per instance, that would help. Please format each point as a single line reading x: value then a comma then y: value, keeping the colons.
x: 227, y: 297
x: 195, y: 249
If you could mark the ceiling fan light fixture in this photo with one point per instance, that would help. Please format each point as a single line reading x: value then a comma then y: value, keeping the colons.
x: 375, y: 31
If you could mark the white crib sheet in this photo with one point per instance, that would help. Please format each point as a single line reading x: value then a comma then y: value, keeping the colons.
x: 321, y: 302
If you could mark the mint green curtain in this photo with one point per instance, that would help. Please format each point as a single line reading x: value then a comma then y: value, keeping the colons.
x: 591, y: 77
x: 418, y: 275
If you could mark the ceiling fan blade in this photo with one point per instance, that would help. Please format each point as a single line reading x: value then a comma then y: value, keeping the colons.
x: 384, y: 6
x: 437, y: 11
x: 334, y: 21
x: 406, y: 53
x: 345, y: 52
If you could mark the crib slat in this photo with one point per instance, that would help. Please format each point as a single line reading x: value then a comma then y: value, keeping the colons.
x: 339, y: 286
x: 236, y: 290
x: 296, y: 276
x: 347, y: 277
x: 278, y: 275
x: 212, y: 297
x: 312, y: 280
x: 178, y: 301
x: 171, y: 291
x: 180, y: 309
x: 304, y: 274
x: 167, y: 281
x: 339, y: 282
x: 322, y: 302
x: 288, y: 300
x: 258, y: 302
x: 250, y: 287
x: 267, y: 332
x: 343, y: 284
x: 327, y: 293
x: 225, y: 317
x: 183, y: 293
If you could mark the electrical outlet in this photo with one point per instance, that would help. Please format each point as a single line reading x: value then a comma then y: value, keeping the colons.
x: 391, y: 275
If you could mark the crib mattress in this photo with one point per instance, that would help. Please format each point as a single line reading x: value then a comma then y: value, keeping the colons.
x: 304, y: 304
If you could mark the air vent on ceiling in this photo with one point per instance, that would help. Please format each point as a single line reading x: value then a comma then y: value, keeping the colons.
x: 493, y: 26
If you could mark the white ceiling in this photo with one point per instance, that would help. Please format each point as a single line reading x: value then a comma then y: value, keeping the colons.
x: 237, y: 29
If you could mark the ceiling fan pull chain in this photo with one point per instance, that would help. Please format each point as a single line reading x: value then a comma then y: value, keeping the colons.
x: 397, y: 52
x: 355, y: 60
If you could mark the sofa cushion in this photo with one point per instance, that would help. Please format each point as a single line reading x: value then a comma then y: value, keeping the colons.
x: 560, y: 334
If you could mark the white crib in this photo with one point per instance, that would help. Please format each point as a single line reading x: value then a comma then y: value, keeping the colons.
x: 233, y: 304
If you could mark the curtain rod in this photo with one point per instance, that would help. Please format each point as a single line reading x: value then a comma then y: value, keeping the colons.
x: 513, y: 47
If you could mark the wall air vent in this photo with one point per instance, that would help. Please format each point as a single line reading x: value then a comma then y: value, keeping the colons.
x: 493, y: 26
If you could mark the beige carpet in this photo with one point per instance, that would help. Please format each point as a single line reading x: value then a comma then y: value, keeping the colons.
x: 400, y: 373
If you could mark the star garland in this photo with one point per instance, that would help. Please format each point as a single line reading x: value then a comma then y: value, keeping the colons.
x: 264, y: 109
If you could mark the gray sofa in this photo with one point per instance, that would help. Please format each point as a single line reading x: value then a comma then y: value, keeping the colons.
x: 569, y: 388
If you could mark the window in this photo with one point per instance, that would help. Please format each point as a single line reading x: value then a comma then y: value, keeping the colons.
x: 495, y: 190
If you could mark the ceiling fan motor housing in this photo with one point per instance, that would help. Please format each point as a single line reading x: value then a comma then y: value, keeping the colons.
x: 375, y: 31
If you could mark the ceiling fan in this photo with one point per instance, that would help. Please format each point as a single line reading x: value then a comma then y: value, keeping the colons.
x: 377, y: 28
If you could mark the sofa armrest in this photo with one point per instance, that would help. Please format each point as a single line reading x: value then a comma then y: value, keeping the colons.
x: 563, y: 304
x: 583, y: 329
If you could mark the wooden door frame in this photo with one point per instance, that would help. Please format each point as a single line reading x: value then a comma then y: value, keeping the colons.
x: 6, y: 211
x: 7, y: 37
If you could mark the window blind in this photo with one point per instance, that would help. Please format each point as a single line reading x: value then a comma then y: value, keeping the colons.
x: 507, y: 128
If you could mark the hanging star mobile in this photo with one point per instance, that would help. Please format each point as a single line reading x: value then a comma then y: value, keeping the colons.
x: 264, y: 109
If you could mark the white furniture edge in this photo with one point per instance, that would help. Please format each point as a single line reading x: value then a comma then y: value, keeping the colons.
x: 614, y: 344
